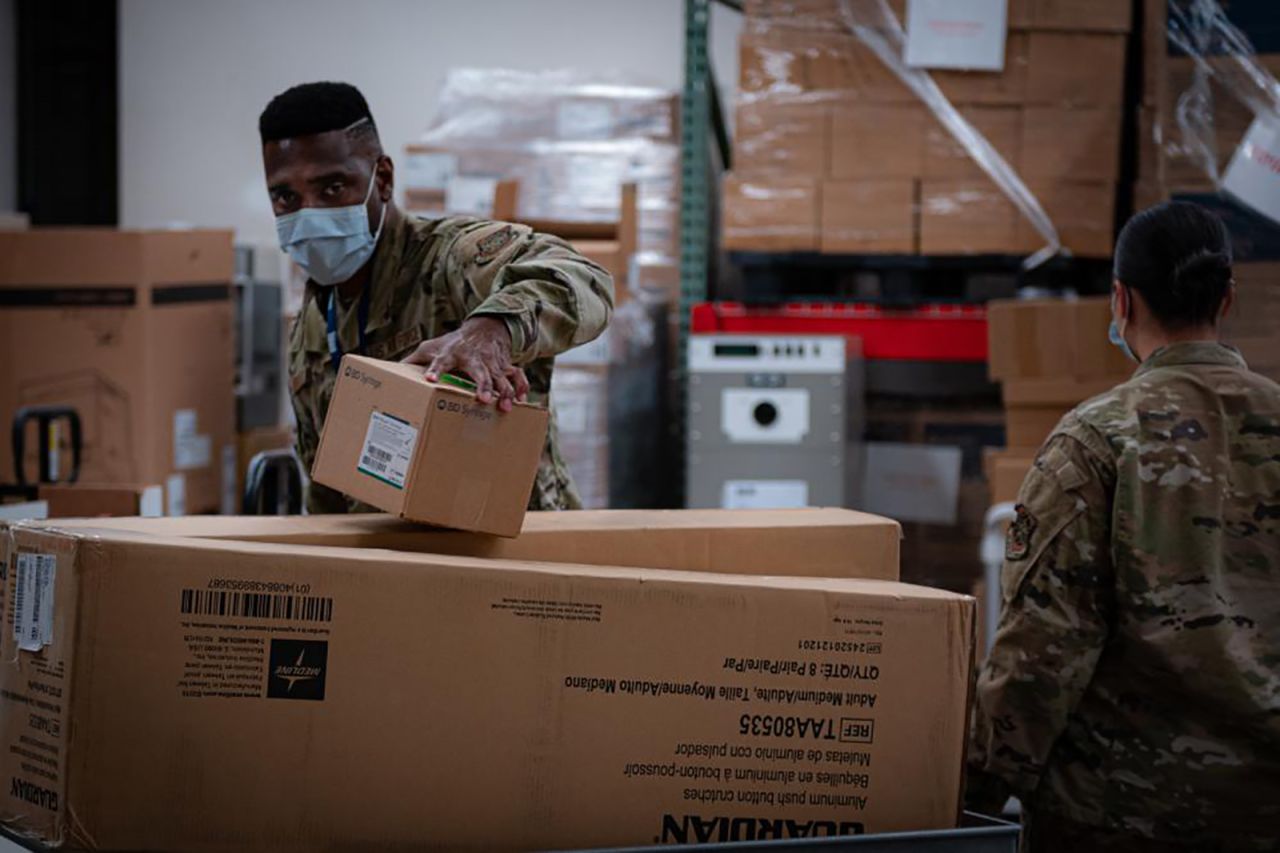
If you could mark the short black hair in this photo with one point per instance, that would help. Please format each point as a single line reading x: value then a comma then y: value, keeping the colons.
x: 311, y: 108
x: 1178, y: 256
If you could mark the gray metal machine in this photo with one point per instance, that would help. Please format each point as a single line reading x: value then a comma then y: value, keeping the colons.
x: 767, y: 421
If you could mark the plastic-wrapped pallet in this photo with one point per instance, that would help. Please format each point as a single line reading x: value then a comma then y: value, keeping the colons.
x: 570, y: 140
x: 841, y: 147
x: 608, y: 398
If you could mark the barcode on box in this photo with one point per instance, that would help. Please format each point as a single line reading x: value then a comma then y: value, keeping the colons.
x: 255, y: 605
x: 388, y: 447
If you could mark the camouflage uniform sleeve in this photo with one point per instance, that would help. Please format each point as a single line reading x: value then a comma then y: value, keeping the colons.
x: 1057, y: 607
x: 551, y: 298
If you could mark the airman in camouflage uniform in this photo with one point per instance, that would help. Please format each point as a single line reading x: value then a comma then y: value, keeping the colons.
x: 493, y: 300
x: 430, y: 275
x: 1132, y: 698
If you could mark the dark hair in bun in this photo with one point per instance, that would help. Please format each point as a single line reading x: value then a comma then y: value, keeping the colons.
x: 1178, y: 256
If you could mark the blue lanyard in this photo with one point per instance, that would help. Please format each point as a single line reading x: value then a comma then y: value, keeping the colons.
x: 331, y: 317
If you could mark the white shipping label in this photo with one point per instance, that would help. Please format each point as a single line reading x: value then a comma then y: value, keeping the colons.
x: 764, y: 494
x: 33, y: 601
x: 429, y: 171
x: 965, y: 34
x: 1254, y: 173
x: 190, y: 449
x: 151, y: 504
x: 175, y: 495
x: 470, y: 195
x: 388, y: 448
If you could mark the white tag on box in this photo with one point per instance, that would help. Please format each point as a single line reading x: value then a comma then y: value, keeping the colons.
x: 961, y: 34
x: 33, y: 601
x: 764, y: 494
x: 388, y: 448
x: 1254, y: 174
x: 911, y: 482
x: 470, y: 195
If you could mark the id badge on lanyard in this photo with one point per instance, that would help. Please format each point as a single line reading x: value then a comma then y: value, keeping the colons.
x: 331, y: 322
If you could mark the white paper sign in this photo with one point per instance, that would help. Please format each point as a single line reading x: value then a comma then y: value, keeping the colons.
x: 764, y: 494
x: 33, y: 601
x: 1254, y: 173
x: 388, y: 447
x: 964, y: 34
x: 190, y: 448
x: 911, y: 482
x: 571, y: 411
x: 175, y: 495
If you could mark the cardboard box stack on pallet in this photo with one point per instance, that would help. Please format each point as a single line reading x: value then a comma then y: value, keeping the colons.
x: 569, y: 143
x: 1049, y: 355
x: 833, y: 153
x: 206, y: 665
x: 132, y: 329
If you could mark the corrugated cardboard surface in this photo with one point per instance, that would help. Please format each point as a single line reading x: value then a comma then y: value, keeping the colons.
x: 770, y: 213
x: 83, y: 500
x: 879, y: 141
x: 803, y: 542
x: 869, y: 216
x: 472, y: 467
x: 789, y: 138
x: 133, y: 329
x: 1049, y: 338
x: 237, y: 696
x: 1027, y: 427
x: 1005, y: 470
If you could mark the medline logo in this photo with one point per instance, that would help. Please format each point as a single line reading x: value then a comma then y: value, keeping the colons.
x: 297, y: 669
x: 683, y: 829
x: 29, y: 793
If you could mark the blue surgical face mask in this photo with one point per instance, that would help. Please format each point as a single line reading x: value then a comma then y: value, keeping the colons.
x: 331, y: 243
x: 1116, y: 336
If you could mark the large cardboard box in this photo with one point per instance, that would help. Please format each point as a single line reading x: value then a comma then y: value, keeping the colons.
x: 181, y: 694
x: 86, y: 500
x: 1004, y: 88
x: 1252, y: 323
x: 793, y: 542
x: 770, y: 213
x: 428, y: 452
x: 788, y: 138
x: 1052, y: 338
x: 1082, y: 212
x: 869, y: 216
x: 1005, y: 470
x: 134, y: 330
x: 1114, y: 16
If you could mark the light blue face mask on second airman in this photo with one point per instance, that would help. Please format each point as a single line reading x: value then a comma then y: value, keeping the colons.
x: 1116, y: 336
x: 331, y: 243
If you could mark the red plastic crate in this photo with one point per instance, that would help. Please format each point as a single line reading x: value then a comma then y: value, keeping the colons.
x: 955, y: 333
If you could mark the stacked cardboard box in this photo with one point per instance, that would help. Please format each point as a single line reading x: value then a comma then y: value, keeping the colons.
x: 833, y: 153
x: 1251, y: 326
x: 132, y: 329
x: 1050, y: 355
x: 1170, y: 162
x: 201, y: 677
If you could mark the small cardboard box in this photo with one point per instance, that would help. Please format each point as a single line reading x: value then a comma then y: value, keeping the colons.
x: 1082, y: 212
x: 184, y: 694
x: 878, y: 141
x: 869, y: 216
x: 428, y: 452
x: 770, y: 213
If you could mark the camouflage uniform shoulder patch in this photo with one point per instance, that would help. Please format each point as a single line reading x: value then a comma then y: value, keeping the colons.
x: 491, y: 245
x: 1017, y: 545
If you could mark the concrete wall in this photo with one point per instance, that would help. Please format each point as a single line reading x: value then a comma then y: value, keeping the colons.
x: 195, y: 75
